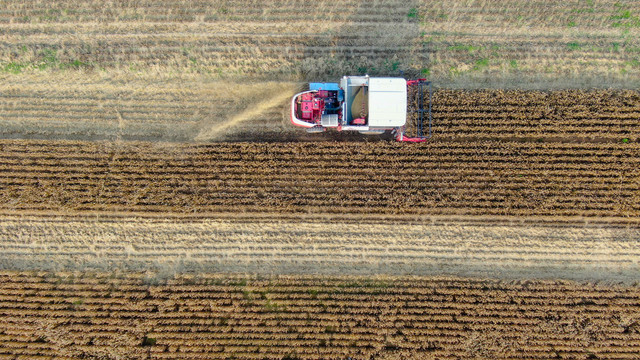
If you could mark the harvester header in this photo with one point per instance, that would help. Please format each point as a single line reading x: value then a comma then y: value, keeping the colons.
x: 369, y: 105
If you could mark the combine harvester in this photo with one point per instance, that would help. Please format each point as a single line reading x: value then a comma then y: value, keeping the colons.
x: 369, y: 105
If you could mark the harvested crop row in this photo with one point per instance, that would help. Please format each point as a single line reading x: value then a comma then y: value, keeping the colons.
x: 343, y: 245
x: 141, y: 110
x: 308, y: 317
x: 470, y: 178
x: 234, y: 38
x: 454, y: 41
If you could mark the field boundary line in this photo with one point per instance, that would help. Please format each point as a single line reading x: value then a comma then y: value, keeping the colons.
x: 552, y: 221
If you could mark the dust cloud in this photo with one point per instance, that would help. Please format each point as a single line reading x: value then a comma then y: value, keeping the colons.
x: 277, y: 95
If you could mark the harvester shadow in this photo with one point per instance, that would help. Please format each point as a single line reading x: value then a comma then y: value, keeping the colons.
x: 377, y: 38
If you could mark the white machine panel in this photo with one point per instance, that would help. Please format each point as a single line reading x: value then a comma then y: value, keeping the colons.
x: 387, y: 102
x: 329, y: 120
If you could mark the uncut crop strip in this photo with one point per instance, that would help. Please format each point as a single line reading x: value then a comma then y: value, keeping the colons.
x: 465, y: 178
x: 274, y: 245
x: 567, y: 115
x: 311, y: 317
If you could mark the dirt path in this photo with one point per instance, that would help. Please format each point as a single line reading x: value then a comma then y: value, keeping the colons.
x: 272, y: 246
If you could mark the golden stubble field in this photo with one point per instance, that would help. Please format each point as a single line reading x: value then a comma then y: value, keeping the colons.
x: 338, y: 245
x: 456, y: 43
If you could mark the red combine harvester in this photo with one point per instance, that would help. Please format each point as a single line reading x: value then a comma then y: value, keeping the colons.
x: 369, y: 105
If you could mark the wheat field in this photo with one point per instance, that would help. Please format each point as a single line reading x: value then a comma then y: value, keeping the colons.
x: 475, y: 178
x: 467, y: 44
x: 156, y: 203
x: 221, y: 316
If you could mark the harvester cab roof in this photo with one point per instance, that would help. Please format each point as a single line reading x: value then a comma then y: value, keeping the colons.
x: 369, y: 105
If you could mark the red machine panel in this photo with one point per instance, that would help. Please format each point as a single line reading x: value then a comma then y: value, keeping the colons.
x: 306, y: 109
x: 311, y: 106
